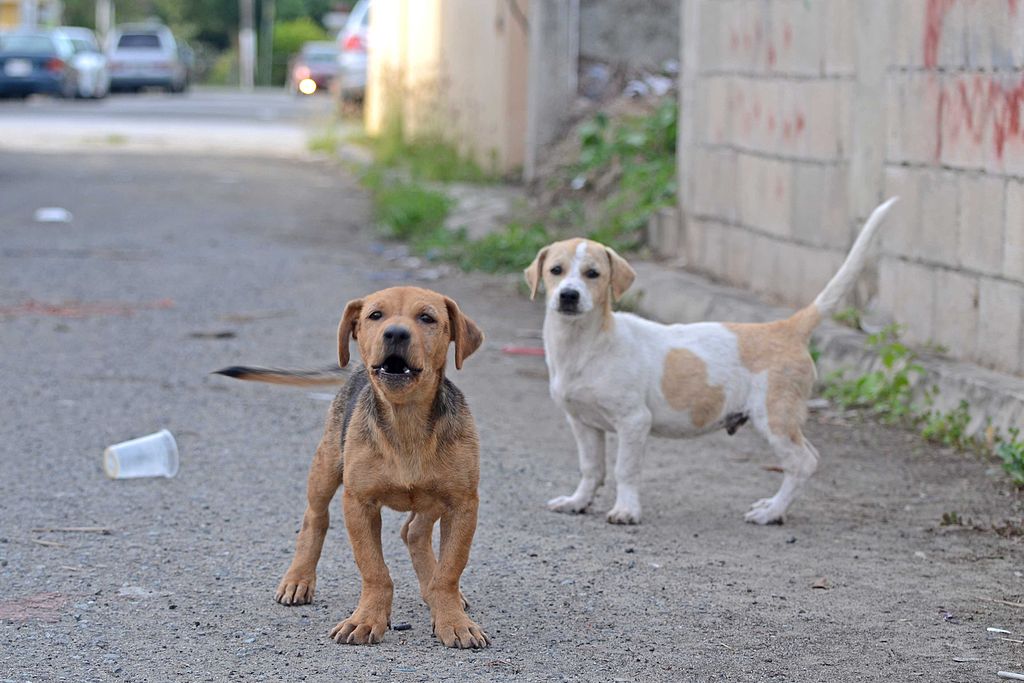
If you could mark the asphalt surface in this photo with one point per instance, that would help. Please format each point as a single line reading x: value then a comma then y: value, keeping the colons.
x: 175, y: 266
x: 270, y: 122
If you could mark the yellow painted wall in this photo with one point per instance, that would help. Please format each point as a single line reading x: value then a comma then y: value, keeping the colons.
x: 454, y: 67
x: 10, y: 13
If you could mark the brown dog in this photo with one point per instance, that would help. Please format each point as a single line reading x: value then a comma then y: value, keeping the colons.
x: 398, y: 434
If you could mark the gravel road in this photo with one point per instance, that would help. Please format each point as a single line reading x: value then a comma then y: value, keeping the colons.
x: 173, y: 267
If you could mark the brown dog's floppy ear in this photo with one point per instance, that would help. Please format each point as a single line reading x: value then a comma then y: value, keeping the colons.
x: 533, y: 272
x: 622, y: 274
x: 466, y: 335
x: 347, y: 328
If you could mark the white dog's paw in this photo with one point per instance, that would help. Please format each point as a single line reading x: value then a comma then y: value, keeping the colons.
x: 569, y: 504
x: 765, y: 511
x: 621, y: 514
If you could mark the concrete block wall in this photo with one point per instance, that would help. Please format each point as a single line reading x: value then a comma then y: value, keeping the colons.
x: 799, y: 117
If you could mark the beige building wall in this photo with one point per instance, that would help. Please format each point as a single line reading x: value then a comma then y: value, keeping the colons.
x: 455, y: 68
x: 798, y: 117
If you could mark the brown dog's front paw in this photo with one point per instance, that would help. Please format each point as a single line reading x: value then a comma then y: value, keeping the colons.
x: 360, y: 629
x: 460, y: 631
x: 294, y: 590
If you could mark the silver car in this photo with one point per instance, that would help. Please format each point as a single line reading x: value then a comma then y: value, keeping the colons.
x: 88, y: 61
x: 352, y: 52
x: 146, y: 55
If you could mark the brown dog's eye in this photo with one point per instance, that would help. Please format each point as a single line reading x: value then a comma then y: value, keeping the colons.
x: 592, y: 274
x: 427, y: 318
x: 376, y: 315
x: 556, y: 270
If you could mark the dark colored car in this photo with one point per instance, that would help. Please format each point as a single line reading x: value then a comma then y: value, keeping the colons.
x: 314, y: 68
x: 36, y: 62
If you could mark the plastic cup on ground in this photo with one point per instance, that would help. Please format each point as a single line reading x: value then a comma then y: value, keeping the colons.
x: 155, y: 455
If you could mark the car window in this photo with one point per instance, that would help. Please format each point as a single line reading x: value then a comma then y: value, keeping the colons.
x: 139, y: 41
x: 321, y: 57
x: 27, y: 43
x: 83, y: 45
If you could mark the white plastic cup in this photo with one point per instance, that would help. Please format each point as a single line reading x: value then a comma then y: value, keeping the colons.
x: 155, y: 455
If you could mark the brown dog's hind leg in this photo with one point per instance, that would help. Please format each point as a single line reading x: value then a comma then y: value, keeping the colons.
x: 299, y: 582
x: 417, y: 534
x: 448, y: 615
x: 372, y: 616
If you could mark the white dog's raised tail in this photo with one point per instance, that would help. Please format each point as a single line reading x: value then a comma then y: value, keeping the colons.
x: 848, y: 273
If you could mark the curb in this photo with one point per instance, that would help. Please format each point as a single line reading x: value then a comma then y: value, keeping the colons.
x: 670, y: 295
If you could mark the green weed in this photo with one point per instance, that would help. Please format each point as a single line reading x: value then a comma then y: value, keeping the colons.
x: 642, y: 150
x: 849, y: 317
x: 1011, y: 452
x: 408, y: 211
x: 427, y: 157
x: 324, y: 142
x: 949, y: 429
x: 886, y: 392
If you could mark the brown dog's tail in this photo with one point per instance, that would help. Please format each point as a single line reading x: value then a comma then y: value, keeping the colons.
x: 295, y: 378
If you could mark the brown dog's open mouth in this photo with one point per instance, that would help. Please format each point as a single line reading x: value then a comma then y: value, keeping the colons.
x: 395, y: 367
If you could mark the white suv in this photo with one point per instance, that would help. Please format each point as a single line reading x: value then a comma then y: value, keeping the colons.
x: 146, y: 55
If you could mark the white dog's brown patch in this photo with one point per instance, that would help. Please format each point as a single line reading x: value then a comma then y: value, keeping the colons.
x: 684, y: 383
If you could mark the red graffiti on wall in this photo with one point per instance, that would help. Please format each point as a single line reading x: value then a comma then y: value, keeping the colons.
x: 972, y: 109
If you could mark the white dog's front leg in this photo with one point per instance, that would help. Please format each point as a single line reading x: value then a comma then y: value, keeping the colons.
x: 632, y: 440
x: 590, y: 444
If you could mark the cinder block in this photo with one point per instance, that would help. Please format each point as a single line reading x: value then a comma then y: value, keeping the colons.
x: 693, y: 240
x: 987, y: 34
x: 818, y: 119
x: 1000, y: 310
x: 840, y: 49
x: 906, y: 292
x: 789, y: 275
x: 710, y: 41
x: 1017, y: 39
x: 901, y: 233
x: 949, y: 21
x: 728, y: 190
x: 702, y: 179
x: 956, y: 312
x: 739, y: 247
x: 939, y: 225
x: 1007, y: 158
x: 766, y: 196
x: 980, y: 241
x: 913, y: 118
x: 820, y: 205
x: 795, y: 42
x: 764, y: 266
x: 714, y: 114
x: 1013, y: 237
x: 967, y: 125
x: 818, y: 270
x: 713, y: 257
x: 907, y: 48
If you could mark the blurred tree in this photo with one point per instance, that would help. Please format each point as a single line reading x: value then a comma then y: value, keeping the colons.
x: 288, y: 39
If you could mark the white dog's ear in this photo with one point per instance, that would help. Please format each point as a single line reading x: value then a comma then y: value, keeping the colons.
x: 534, y: 270
x: 622, y: 273
x: 347, y: 328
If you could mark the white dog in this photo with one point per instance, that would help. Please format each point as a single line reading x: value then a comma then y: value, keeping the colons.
x: 616, y: 372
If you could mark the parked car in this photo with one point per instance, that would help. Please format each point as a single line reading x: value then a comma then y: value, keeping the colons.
x: 314, y: 68
x: 36, y: 62
x: 352, y: 52
x: 146, y: 55
x: 89, y: 62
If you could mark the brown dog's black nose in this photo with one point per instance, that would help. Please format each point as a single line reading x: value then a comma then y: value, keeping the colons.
x: 569, y: 296
x: 397, y: 334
